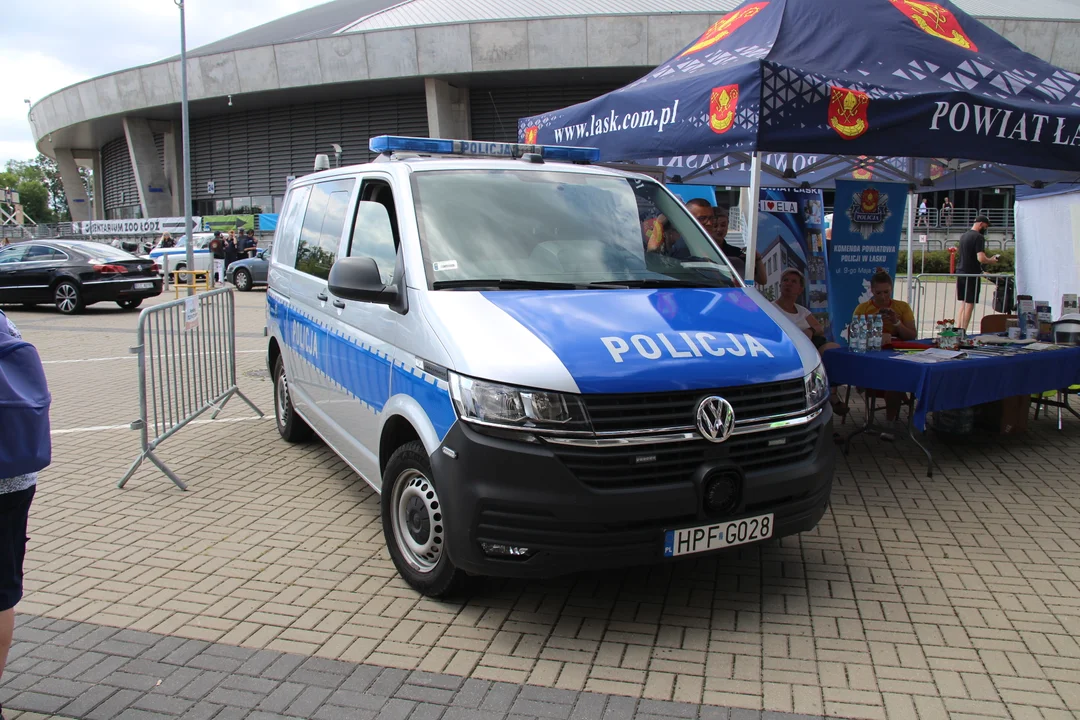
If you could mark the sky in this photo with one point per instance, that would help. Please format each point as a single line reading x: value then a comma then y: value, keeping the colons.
x: 46, y: 45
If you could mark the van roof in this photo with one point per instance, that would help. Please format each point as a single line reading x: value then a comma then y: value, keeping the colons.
x: 420, y: 163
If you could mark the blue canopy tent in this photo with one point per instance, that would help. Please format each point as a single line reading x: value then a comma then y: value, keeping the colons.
x: 856, y: 79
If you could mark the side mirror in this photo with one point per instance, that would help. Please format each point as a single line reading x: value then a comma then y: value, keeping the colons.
x: 358, y: 278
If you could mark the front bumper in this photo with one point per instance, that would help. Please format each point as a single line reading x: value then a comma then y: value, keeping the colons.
x: 521, y: 494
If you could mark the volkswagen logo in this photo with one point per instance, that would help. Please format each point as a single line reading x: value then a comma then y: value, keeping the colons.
x: 715, y: 419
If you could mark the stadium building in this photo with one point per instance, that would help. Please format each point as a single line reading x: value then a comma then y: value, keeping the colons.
x: 265, y: 101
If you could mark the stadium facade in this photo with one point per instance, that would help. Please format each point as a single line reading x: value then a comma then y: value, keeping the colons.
x: 265, y: 101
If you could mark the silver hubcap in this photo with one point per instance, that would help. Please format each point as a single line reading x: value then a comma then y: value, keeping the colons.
x: 66, y: 296
x: 282, y: 399
x: 418, y: 521
x: 242, y: 280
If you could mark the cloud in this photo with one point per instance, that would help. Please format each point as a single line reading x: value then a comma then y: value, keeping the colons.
x: 27, y: 72
x: 47, y: 45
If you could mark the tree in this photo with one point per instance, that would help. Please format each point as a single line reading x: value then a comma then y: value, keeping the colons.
x: 40, y: 188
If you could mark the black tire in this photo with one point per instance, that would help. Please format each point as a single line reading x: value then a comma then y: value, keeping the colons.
x: 129, y: 303
x: 413, y: 525
x: 242, y: 280
x: 68, y: 298
x: 290, y: 426
x: 181, y: 279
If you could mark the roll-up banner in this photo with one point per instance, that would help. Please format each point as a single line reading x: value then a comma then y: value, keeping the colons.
x: 791, y: 235
x: 867, y: 221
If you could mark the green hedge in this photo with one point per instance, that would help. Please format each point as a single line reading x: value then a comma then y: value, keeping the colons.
x: 937, y: 261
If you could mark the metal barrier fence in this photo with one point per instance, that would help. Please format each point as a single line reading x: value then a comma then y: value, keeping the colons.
x: 935, y: 298
x: 187, y: 366
x: 960, y: 219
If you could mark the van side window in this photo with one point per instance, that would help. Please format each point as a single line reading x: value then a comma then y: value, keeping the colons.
x: 324, y: 221
x: 289, y: 226
x: 373, y: 233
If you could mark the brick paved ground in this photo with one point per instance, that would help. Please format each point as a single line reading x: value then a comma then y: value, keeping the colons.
x: 953, y: 596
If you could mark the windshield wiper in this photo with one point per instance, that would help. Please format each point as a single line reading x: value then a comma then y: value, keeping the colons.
x: 503, y: 284
x: 651, y: 283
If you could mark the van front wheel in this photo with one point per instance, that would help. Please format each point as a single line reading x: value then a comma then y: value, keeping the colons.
x: 414, y: 525
x: 291, y: 426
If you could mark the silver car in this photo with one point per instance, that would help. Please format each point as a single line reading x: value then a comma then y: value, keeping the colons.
x: 250, y: 272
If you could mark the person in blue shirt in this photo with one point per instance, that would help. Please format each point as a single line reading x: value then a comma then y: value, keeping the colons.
x: 248, y: 244
x: 16, y: 494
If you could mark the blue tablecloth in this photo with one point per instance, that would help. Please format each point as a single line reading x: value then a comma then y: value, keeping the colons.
x: 956, y: 383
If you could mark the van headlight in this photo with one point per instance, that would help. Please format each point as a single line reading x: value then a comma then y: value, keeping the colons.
x: 817, y: 387
x: 488, y: 403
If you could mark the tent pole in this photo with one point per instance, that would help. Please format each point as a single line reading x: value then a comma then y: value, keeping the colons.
x: 910, y: 257
x: 755, y: 195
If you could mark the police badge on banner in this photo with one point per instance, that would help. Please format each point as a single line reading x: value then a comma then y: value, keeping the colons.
x: 791, y: 235
x: 866, y: 228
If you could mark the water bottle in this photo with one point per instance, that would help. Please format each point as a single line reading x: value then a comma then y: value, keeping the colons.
x: 858, y: 339
x: 875, y: 336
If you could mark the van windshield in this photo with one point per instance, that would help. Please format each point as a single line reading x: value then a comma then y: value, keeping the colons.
x: 507, y: 229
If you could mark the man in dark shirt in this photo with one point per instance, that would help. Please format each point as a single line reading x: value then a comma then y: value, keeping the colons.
x: 715, y: 221
x: 972, y: 258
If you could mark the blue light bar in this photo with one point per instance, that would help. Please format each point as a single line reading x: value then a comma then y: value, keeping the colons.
x: 479, y: 148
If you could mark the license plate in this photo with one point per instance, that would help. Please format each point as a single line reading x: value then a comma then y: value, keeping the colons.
x: 142, y: 286
x: 719, y: 535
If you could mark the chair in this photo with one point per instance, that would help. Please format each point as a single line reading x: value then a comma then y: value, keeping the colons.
x: 995, y: 323
x: 907, y: 400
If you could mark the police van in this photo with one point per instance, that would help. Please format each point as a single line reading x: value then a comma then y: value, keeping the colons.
x: 542, y: 365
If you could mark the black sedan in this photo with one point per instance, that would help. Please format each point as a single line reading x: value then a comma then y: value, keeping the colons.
x: 73, y: 274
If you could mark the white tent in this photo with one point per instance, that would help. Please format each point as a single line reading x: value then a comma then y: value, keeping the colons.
x: 1048, y: 245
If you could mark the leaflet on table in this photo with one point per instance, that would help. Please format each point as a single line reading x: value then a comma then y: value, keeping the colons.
x: 934, y: 355
x: 1025, y: 309
x: 1046, y: 320
x: 1069, y: 304
x: 998, y: 340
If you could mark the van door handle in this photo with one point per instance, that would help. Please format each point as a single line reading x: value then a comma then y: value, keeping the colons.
x: 322, y: 296
x: 339, y: 304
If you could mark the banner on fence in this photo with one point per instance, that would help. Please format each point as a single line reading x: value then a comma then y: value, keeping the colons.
x: 138, y: 226
x: 791, y: 235
x: 867, y: 221
x: 268, y: 222
x: 225, y: 223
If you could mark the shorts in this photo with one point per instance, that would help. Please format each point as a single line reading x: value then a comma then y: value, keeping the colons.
x: 819, y: 340
x: 14, y: 511
x: 968, y: 289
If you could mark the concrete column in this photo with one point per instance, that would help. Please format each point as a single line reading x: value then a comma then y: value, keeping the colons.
x: 174, y: 162
x: 99, y: 186
x: 174, y: 148
x: 154, y: 193
x: 74, y: 189
x: 448, y: 110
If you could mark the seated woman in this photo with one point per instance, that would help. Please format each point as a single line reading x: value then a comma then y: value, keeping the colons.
x: 897, y: 319
x: 792, y: 286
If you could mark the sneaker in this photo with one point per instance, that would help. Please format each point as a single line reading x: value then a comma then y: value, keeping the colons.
x: 892, y: 429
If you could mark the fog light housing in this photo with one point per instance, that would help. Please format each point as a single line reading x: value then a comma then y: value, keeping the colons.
x: 500, y: 550
x: 721, y: 493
